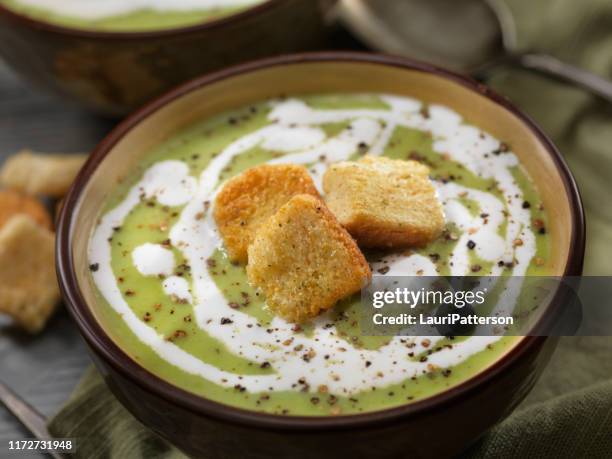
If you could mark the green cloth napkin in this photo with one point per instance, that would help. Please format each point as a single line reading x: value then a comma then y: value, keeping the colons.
x: 578, y: 32
x: 569, y: 412
x: 103, y: 428
x: 566, y: 415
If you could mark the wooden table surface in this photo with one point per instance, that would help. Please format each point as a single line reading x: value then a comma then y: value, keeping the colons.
x: 42, y: 369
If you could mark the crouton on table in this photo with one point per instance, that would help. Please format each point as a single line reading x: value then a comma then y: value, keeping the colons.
x: 45, y: 174
x: 384, y: 203
x: 304, y: 261
x: 14, y: 203
x: 246, y: 201
x: 28, y: 286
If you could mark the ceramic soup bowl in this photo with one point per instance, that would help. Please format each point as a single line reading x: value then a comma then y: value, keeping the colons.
x: 114, y: 72
x: 439, y: 425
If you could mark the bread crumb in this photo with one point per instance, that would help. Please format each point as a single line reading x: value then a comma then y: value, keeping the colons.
x: 27, y: 273
x: 44, y: 174
x: 14, y: 203
x: 383, y: 202
x: 304, y: 261
x: 246, y: 201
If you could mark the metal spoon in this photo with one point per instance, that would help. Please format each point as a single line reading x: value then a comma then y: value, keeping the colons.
x: 29, y: 417
x: 483, y: 38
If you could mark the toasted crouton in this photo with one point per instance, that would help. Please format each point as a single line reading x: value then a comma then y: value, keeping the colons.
x: 304, y: 261
x: 13, y: 203
x: 383, y: 202
x: 28, y: 286
x: 391, y: 166
x: 34, y: 173
x: 249, y: 199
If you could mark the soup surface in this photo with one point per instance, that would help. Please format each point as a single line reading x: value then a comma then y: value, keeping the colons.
x: 128, y: 15
x: 172, y: 300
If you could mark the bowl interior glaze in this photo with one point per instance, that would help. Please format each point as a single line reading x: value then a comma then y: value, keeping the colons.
x: 119, y: 153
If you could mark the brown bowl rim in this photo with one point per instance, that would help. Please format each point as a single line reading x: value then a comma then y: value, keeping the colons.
x: 128, y: 368
x: 76, y: 32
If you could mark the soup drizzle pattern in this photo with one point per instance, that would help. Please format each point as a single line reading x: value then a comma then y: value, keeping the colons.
x: 100, y: 9
x: 295, y: 130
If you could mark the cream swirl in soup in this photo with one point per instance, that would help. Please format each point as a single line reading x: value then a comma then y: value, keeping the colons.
x: 128, y: 15
x: 100, y: 9
x: 156, y: 256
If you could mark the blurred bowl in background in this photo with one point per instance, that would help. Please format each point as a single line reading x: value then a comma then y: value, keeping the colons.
x: 113, y: 73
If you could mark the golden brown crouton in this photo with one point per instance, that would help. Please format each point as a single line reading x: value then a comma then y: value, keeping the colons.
x: 390, y: 166
x: 13, y: 203
x: 384, y: 202
x: 28, y: 286
x: 34, y: 173
x: 304, y: 261
x: 249, y: 199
